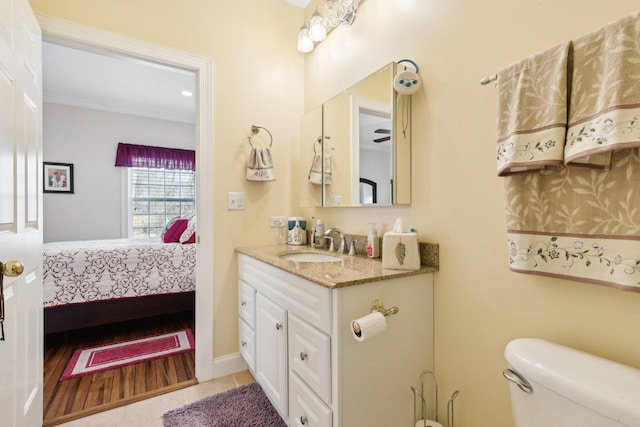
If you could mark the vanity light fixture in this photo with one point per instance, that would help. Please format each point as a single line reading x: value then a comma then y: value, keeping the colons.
x: 325, y: 18
x: 305, y: 44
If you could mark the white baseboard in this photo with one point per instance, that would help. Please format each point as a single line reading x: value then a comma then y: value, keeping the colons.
x: 229, y: 364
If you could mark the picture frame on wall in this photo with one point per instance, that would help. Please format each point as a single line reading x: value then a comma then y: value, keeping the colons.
x: 58, y: 177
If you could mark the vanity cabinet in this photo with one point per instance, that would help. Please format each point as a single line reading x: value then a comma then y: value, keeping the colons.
x: 307, y: 361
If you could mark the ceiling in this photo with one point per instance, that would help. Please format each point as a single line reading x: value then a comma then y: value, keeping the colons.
x: 119, y: 84
x: 116, y: 84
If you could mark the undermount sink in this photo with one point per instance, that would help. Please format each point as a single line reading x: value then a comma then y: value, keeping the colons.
x: 309, y: 257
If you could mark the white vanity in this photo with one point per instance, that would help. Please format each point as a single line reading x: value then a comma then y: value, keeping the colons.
x: 295, y: 335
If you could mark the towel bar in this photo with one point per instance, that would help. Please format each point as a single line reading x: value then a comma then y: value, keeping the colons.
x: 488, y: 79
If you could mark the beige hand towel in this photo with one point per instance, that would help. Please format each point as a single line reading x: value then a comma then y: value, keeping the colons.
x: 532, y: 112
x: 604, y: 111
x: 260, y: 166
x: 315, y: 173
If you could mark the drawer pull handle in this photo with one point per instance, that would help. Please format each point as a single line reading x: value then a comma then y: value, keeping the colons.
x: 303, y: 420
x: 243, y: 303
x: 303, y: 355
x: 278, y: 326
x: 244, y: 343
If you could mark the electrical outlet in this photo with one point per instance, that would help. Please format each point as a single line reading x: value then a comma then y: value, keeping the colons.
x: 336, y: 200
x: 277, y: 221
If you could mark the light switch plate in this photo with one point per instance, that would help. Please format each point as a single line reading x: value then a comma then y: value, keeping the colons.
x: 235, y: 201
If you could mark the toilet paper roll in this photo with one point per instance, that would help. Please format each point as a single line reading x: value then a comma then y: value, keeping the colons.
x: 368, y: 326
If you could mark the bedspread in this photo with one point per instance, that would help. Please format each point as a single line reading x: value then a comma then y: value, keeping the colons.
x: 86, y: 271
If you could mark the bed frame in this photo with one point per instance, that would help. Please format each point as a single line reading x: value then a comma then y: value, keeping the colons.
x: 76, y: 316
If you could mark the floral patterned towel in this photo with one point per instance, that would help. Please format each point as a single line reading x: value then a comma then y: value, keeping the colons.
x: 604, y: 110
x: 260, y: 166
x: 578, y: 223
x: 532, y: 112
x: 583, y: 223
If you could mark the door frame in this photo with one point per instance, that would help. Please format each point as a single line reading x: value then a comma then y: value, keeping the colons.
x: 72, y: 34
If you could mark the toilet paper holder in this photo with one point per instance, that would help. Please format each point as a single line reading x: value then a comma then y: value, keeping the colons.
x: 377, y: 305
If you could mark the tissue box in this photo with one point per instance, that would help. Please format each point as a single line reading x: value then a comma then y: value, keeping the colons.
x: 400, y: 251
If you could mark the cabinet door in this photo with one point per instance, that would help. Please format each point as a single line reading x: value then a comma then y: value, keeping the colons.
x: 271, y: 351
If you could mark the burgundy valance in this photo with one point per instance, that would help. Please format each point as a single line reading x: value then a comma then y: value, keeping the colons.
x: 144, y: 156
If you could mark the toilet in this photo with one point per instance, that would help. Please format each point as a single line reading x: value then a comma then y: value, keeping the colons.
x: 556, y: 386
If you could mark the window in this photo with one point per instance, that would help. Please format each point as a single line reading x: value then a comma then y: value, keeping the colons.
x: 161, y: 185
x: 156, y: 196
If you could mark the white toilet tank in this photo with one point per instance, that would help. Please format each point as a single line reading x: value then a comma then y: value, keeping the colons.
x: 570, y: 388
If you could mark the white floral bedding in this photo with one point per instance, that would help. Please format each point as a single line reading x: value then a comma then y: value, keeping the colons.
x: 96, y: 270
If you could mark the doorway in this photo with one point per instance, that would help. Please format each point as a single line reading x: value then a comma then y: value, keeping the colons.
x: 91, y: 39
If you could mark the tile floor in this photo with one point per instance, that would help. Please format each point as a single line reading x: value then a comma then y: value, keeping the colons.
x: 148, y: 413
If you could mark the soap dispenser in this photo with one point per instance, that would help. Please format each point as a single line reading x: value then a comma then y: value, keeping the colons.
x: 373, y: 242
x: 319, y: 232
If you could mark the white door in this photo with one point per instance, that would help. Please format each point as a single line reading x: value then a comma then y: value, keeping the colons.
x: 21, y: 214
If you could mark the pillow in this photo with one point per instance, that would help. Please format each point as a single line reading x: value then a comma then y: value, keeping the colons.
x: 191, y: 239
x: 174, y: 229
x: 189, y: 234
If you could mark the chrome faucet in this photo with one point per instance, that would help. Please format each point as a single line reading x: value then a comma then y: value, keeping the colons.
x: 332, y: 248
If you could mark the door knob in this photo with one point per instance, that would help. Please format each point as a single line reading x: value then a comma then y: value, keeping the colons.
x: 12, y: 268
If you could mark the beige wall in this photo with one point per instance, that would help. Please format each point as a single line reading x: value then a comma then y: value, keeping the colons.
x: 457, y: 198
x: 257, y: 79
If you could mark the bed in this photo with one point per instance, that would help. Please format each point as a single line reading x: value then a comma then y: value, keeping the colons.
x: 90, y: 283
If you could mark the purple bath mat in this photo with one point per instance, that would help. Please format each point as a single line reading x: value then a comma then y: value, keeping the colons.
x: 245, y: 406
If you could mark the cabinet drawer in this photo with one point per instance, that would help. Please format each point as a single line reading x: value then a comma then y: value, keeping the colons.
x: 247, y: 344
x: 247, y: 303
x: 310, y: 356
x: 305, y: 408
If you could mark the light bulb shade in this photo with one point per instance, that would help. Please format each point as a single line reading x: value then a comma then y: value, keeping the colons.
x: 317, y: 31
x: 305, y: 44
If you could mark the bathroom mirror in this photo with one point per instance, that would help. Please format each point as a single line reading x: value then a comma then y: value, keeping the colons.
x: 359, y: 146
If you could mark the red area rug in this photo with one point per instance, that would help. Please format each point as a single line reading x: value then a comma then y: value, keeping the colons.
x: 102, y: 358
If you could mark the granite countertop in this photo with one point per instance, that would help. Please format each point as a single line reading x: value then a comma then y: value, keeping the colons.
x: 351, y: 270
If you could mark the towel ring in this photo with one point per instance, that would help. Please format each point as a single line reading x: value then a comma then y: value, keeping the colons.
x: 254, y: 131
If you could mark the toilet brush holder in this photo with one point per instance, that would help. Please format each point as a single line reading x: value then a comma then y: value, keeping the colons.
x: 428, y: 423
x: 450, y: 408
x: 419, y: 417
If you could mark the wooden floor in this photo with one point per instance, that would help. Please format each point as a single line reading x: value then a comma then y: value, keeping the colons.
x: 75, y: 398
